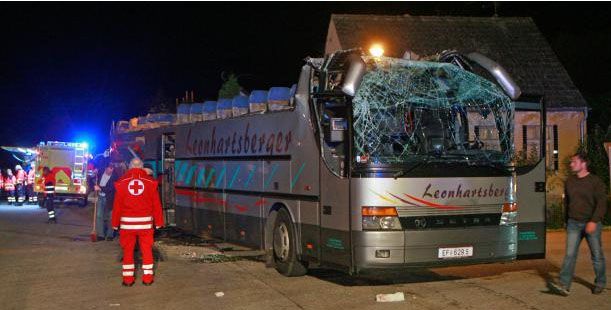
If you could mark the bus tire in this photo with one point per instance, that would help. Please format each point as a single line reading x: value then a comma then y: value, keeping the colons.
x: 284, y: 247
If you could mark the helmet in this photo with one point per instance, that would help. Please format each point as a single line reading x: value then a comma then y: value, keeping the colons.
x: 18, y: 167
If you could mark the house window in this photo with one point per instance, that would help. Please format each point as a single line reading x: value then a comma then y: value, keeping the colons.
x: 489, y: 135
x: 555, y: 151
x: 531, y: 143
x: 531, y: 139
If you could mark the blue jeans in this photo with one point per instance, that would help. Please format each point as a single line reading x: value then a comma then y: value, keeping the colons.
x: 575, y: 231
x: 102, y: 218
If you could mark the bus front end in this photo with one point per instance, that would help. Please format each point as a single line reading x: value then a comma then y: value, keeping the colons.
x: 432, y: 181
x: 433, y: 221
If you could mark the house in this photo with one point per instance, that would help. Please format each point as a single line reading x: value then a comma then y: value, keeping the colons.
x: 514, y: 42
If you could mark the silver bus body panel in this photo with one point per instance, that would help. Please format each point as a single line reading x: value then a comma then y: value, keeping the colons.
x: 231, y: 173
x: 531, y: 214
x: 429, y: 196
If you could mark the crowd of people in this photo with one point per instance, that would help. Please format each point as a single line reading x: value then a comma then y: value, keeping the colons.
x: 18, y: 185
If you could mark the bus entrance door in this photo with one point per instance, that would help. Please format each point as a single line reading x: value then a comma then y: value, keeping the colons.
x: 168, y: 193
x: 530, y: 144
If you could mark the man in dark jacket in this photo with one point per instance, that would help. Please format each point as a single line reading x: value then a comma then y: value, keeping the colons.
x: 585, y: 203
x: 106, y: 195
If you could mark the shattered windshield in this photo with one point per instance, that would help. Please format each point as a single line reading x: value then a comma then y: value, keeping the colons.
x: 416, y: 111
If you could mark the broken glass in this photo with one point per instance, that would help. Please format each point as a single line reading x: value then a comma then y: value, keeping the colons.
x: 410, y: 111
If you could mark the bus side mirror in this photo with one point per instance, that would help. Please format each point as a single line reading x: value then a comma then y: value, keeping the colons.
x: 354, y: 75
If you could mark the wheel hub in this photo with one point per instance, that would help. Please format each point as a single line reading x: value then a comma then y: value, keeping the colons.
x: 281, y: 242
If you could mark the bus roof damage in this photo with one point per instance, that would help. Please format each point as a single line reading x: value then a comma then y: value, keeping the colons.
x: 429, y: 107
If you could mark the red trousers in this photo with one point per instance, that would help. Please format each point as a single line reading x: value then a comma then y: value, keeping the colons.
x: 127, y: 239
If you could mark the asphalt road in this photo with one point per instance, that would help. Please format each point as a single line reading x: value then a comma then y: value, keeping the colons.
x: 46, y: 266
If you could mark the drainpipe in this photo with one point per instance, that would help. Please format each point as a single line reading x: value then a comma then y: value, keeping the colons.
x: 584, y: 125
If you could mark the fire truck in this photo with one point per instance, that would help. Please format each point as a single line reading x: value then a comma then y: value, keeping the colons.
x: 68, y: 163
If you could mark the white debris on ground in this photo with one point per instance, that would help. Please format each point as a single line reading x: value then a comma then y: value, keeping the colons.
x: 219, y: 294
x: 398, y: 296
x: 185, y: 251
x: 199, y: 254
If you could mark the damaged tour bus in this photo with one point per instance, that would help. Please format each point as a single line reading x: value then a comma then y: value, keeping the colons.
x: 369, y: 162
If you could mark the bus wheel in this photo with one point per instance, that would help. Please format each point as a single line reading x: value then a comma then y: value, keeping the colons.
x: 284, y: 242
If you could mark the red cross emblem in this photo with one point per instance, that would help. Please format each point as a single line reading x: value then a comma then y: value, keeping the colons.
x: 135, y: 187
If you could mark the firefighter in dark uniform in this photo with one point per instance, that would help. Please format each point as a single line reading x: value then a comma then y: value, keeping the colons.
x: 49, y: 194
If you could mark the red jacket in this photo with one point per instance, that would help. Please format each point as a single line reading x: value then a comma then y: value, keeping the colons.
x: 9, y: 183
x: 137, y: 205
x: 49, y: 185
x: 31, y: 176
x: 20, y: 175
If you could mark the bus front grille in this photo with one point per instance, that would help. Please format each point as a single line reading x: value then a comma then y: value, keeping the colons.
x: 449, y: 221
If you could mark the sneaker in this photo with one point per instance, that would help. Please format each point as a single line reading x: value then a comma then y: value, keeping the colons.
x: 598, y: 290
x: 109, y: 238
x: 559, y: 289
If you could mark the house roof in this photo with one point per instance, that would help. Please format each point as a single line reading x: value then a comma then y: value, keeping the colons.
x: 514, y: 42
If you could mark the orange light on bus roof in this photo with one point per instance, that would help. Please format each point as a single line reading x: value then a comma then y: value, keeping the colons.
x: 376, y: 50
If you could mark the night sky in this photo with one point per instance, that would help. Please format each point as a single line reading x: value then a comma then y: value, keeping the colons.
x: 67, y: 70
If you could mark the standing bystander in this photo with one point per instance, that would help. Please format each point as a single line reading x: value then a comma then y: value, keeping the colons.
x: 106, y: 193
x: 585, y: 206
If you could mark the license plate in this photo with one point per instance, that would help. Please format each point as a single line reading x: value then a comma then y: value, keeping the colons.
x: 455, y: 252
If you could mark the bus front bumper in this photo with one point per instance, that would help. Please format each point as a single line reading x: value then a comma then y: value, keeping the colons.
x: 410, y: 248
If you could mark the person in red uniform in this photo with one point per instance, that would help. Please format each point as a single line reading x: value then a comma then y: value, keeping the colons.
x: 136, y: 212
x: 32, y: 198
x: 49, y: 194
x: 20, y: 176
x: 9, y: 186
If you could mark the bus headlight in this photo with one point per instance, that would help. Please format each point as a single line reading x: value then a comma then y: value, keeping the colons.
x: 380, y: 218
x: 510, y: 213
